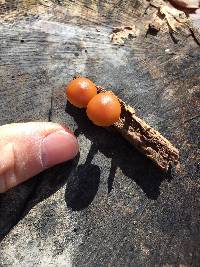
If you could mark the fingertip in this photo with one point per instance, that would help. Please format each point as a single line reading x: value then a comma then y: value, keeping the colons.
x: 29, y: 148
x: 66, y: 129
x: 58, y: 147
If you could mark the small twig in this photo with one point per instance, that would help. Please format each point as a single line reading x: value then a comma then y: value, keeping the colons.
x: 143, y: 137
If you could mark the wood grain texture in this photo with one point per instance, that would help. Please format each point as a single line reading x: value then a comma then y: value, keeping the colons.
x: 110, y: 206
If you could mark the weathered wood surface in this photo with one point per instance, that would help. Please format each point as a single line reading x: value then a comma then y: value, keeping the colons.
x: 110, y: 206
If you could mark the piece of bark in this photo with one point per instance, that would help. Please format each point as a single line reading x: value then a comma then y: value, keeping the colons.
x: 176, y: 19
x: 143, y: 137
x: 119, y: 35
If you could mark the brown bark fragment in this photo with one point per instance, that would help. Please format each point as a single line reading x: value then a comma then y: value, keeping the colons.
x: 143, y: 137
x: 119, y: 35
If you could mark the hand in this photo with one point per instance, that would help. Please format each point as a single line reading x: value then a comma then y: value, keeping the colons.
x: 26, y: 149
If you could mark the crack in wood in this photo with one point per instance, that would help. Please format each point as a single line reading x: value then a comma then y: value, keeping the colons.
x: 51, y: 108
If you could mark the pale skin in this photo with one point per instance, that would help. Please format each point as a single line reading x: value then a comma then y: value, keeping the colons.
x: 27, y: 149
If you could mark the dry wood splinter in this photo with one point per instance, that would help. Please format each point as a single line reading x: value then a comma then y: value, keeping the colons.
x: 144, y: 138
x: 107, y: 110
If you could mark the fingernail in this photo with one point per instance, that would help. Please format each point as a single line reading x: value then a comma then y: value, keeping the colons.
x: 66, y: 129
x: 58, y: 147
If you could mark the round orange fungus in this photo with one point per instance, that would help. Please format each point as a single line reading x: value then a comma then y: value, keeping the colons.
x: 104, y: 109
x: 80, y: 91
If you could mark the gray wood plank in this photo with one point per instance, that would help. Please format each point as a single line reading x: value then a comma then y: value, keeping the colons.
x: 110, y: 206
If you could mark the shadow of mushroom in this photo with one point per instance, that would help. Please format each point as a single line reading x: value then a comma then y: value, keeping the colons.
x: 82, y: 186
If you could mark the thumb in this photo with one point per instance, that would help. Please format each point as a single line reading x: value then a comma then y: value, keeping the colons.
x: 29, y: 148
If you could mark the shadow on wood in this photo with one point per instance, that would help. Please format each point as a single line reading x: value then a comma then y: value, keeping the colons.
x: 82, y: 187
x: 81, y: 190
x: 17, y: 202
